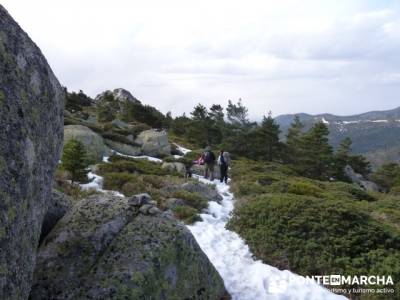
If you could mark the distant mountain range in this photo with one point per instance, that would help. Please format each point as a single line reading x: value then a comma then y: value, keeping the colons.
x: 375, y: 134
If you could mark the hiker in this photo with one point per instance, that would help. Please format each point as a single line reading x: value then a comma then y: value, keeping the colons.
x: 224, y: 160
x: 200, y: 160
x: 209, y: 161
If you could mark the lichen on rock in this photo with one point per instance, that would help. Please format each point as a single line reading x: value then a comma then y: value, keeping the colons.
x: 31, y: 119
x: 108, y: 247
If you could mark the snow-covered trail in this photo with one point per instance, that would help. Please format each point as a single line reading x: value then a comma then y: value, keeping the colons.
x: 244, y: 277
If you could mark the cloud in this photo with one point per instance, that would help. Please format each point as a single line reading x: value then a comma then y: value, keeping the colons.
x: 295, y: 55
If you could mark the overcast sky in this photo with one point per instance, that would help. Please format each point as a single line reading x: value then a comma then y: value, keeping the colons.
x: 336, y: 56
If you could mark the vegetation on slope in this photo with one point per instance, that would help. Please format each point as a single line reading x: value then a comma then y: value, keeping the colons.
x: 296, y: 209
x: 313, y: 227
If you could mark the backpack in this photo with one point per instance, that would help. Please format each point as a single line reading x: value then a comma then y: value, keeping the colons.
x: 209, y: 157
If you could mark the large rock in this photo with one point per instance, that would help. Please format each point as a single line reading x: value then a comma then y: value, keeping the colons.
x: 121, y: 95
x: 207, y: 191
x: 58, y: 206
x: 124, y: 148
x: 200, y: 170
x: 154, y: 143
x: 94, y: 143
x: 174, y: 167
x: 367, y: 185
x: 31, y: 120
x: 117, y: 248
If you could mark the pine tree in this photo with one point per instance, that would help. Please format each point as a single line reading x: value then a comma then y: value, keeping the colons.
x: 293, y: 140
x: 342, y: 159
x: 198, y: 130
x: 387, y: 176
x: 237, y: 113
x: 267, y: 145
x: 217, y: 113
x: 317, y: 155
x: 74, y: 160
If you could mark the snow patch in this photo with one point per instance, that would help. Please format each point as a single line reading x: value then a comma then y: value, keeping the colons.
x: 351, y: 122
x: 182, y: 149
x: 325, y: 121
x: 246, y: 278
x: 149, y: 158
x: 379, y: 121
x: 96, y: 183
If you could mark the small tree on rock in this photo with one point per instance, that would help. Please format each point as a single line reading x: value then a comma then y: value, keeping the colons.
x: 74, y: 161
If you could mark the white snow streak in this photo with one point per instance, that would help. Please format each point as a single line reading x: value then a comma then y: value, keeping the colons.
x: 246, y: 278
x: 182, y: 149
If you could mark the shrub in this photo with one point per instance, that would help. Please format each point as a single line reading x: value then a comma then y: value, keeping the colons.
x: 310, y: 235
x: 348, y: 190
x: 186, y: 214
x: 133, y: 111
x: 138, y: 128
x: 395, y: 191
x: 305, y: 188
x: 74, y: 160
x: 115, y: 181
x: 126, y: 164
x: 192, y: 199
x: 75, y: 101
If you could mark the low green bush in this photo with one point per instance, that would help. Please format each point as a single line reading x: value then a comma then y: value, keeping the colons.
x: 192, y: 199
x: 313, y: 236
x: 124, y: 164
x: 186, y: 214
x: 304, y: 188
x: 352, y: 191
x: 115, y: 181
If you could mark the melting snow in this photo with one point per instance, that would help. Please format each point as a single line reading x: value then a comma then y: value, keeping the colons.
x: 351, y: 122
x: 325, y: 121
x: 246, y: 278
x: 379, y: 121
x: 96, y: 183
x: 149, y: 158
x: 182, y: 149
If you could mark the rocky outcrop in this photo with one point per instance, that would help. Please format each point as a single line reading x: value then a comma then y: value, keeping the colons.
x: 199, y: 170
x: 121, y: 95
x: 207, y: 191
x: 94, y: 143
x: 154, y: 143
x: 124, y: 148
x: 31, y: 120
x: 367, y: 185
x: 58, y: 206
x: 108, y: 247
x: 177, y: 167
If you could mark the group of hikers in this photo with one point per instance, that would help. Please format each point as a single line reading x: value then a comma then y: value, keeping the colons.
x: 208, y: 159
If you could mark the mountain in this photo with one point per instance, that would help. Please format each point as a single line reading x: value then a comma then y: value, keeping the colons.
x: 370, y: 132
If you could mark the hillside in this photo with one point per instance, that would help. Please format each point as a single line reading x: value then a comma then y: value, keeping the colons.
x: 109, y: 198
x: 371, y: 131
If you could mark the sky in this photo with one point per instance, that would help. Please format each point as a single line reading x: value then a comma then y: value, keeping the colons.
x: 287, y: 56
